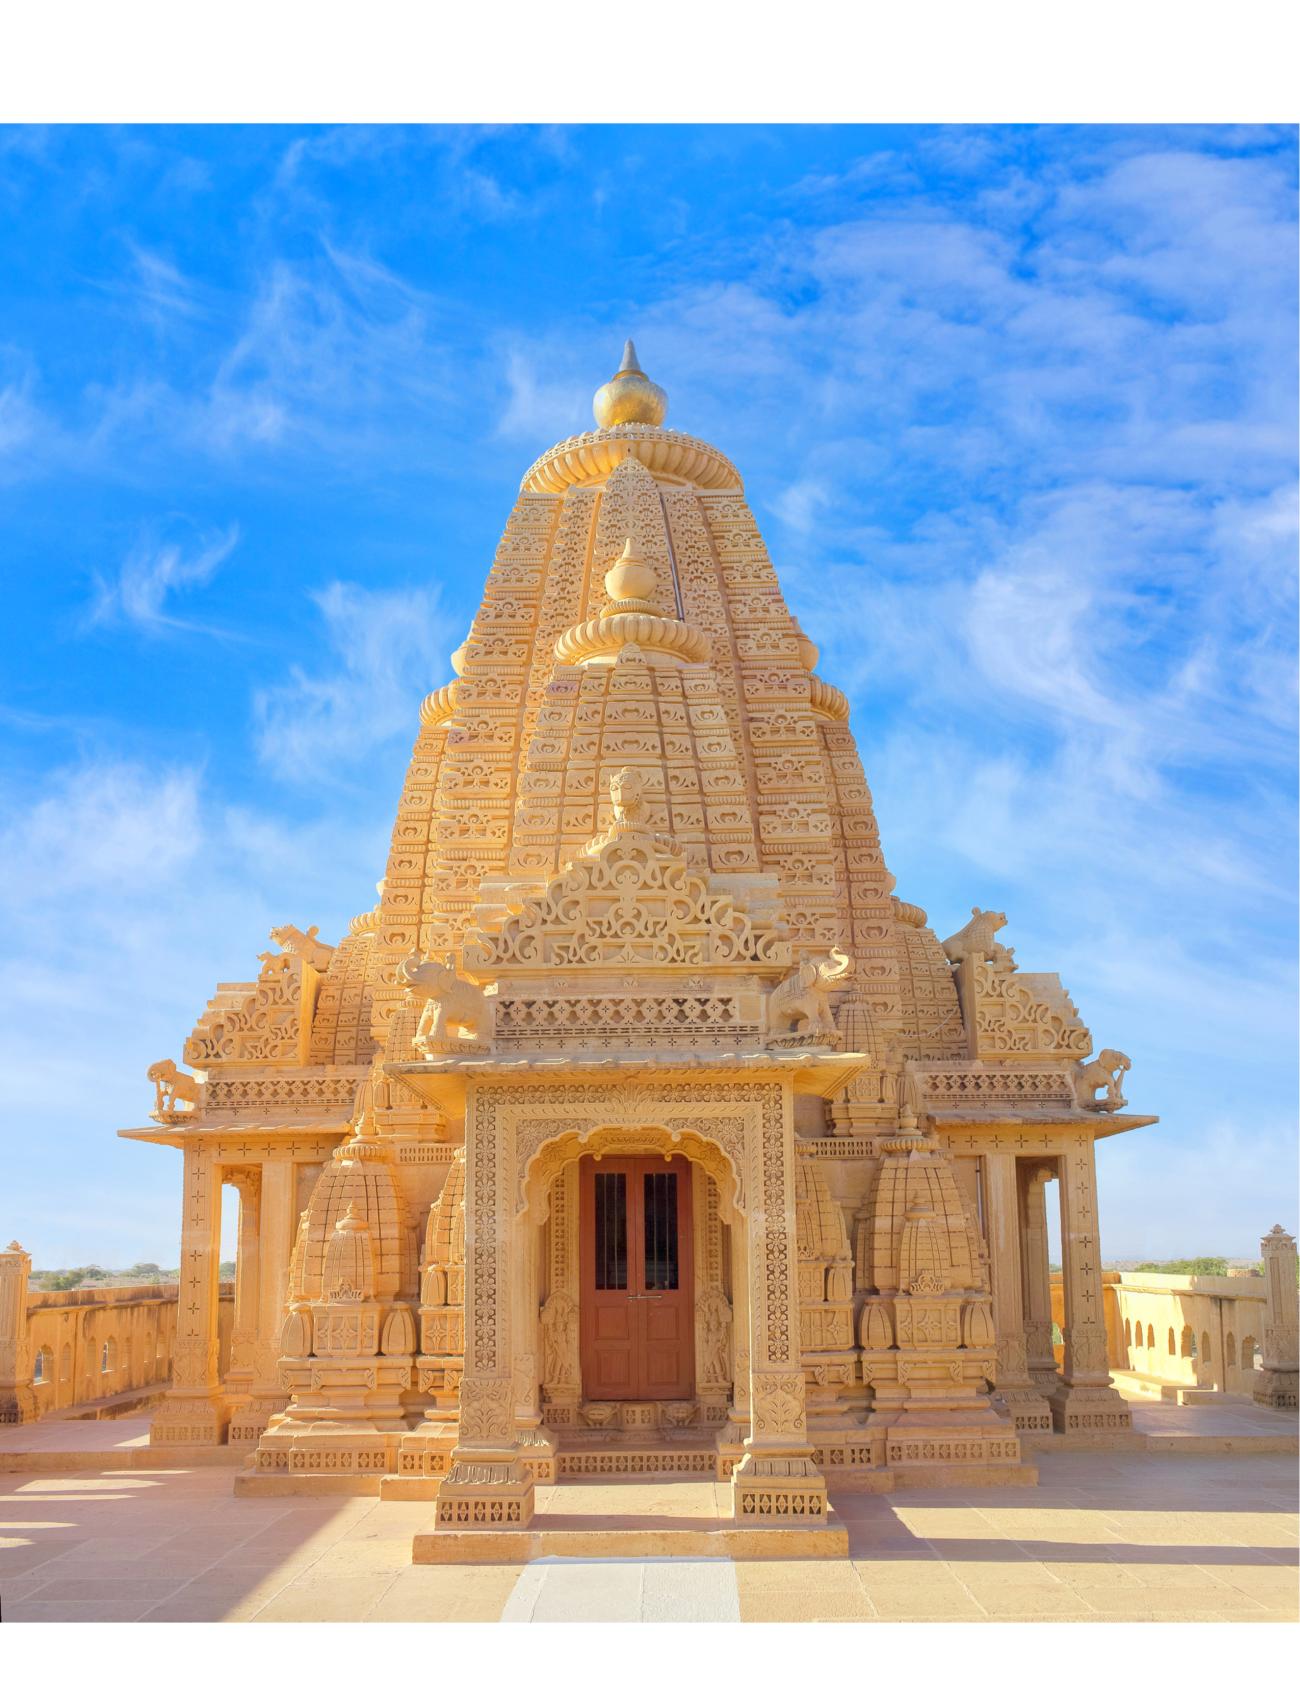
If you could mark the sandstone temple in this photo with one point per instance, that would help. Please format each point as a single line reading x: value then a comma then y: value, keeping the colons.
x: 640, y: 1127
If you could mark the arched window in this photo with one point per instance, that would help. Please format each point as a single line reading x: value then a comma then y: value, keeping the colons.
x: 65, y: 1363
x: 1189, y: 1343
x: 43, y: 1372
x: 1128, y: 1333
x: 1247, y: 1353
x: 108, y: 1356
x: 1171, y: 1340
x: 1151, y: 1335
x: 1205, y: 1349
x: 1230, y: 1350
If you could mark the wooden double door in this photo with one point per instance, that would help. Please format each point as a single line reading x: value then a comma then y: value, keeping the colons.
x: 638, y: 1287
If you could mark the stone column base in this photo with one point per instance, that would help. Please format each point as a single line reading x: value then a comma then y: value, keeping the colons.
x: 247, y: 1423
x: 426, y: 1451
x: 1274, y: 1389
x: 936, y: 1438
x: 1026, y: 1407
x: 1090, y: 1407
x: 777, y: 1489
x: 17, y: 1405
x: 349, y: 1451
x: 493, y: 1496
x: 537, y: 1448
x: 193, y: 1420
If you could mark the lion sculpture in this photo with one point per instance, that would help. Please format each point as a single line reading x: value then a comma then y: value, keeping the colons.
x: 798, y: 1007
x: 289, y: 938
x: 1107, y: 1069
x: 174, y: 1088
x: 978, y: 939
x: 455, y: 1010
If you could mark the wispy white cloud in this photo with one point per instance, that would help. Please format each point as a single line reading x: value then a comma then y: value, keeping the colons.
x: 129, y: 890
x: 21, y: 421
x: 383, y: 651
x: 539, y: 406
x: 154, y: 572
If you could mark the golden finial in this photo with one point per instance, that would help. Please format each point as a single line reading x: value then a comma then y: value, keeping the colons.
x: 630, y: 399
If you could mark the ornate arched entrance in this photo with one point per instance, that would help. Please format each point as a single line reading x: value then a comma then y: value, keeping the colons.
x: 634, y: 1323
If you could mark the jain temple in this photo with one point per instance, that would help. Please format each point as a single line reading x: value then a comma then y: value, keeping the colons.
x: 641, y: 1128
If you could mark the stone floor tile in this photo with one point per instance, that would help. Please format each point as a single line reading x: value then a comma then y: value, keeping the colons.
x: 1029, y: 1601
x: 338, y: 1600
x: 78, y: 1611
x: 768, y: 1608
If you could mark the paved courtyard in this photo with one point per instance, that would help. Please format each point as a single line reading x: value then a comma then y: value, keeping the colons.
x: 1147, y: 1537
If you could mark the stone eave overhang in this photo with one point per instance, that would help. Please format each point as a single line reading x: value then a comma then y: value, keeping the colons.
x: 1101, y: 1125
x: 821, y: 1073
x: 218, y: 1132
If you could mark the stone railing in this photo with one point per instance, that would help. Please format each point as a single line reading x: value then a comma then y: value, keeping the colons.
x: 1235, y: 1335
x: 84, y: 1348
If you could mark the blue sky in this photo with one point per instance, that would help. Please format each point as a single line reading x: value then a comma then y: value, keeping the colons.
x: 1016, y: 409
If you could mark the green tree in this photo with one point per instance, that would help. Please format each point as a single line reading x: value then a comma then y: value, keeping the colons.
x: 1213, y: 1267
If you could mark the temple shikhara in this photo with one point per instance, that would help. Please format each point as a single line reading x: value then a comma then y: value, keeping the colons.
x: 640, y: 1128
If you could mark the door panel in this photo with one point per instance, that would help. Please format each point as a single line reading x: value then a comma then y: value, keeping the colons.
x: 637, y: 1281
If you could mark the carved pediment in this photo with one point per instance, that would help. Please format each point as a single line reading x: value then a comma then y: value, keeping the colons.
x: 631, y: 899
x: 266, y: 1021
x: 1019, y: 1014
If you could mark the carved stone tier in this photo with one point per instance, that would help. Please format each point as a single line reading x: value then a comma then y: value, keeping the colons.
x: 593, y: 456
x: 601, y: 640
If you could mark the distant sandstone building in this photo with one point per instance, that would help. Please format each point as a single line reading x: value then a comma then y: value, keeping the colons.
x: 640, y: 1128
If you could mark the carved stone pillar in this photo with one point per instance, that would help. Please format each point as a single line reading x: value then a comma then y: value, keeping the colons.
x: 714, y: 1319
x: 1087, y: 1400
x: 194, y: 1410
x: 1037, y: 1275
x: 561, y: 1366
x: 538, y: 1444
x: 276, y: 1224
x: 1276, y: 1385
x: 730, y: 1439
x: 490, y: 1485
x: 777, y: 1480
x: 17, y: 1398
x: 1024, y: 1402
x: 238, y: 1378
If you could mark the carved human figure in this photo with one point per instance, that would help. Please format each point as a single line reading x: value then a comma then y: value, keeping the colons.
x: 176, y: 1091
x: 627, y: 796
x: 559, y: 1342
x: 455, y: 1009
x: 798, y: 1007
x: 715, y: 1338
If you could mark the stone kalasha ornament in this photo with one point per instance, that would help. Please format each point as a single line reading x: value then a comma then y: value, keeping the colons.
x: 1107, y: 1070
x: 178, y: 1094
x: 798, y: 1008
x: 630, y: 399
x: 457, y: 1015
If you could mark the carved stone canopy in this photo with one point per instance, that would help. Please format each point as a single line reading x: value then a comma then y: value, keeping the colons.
x: 632, y: 900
